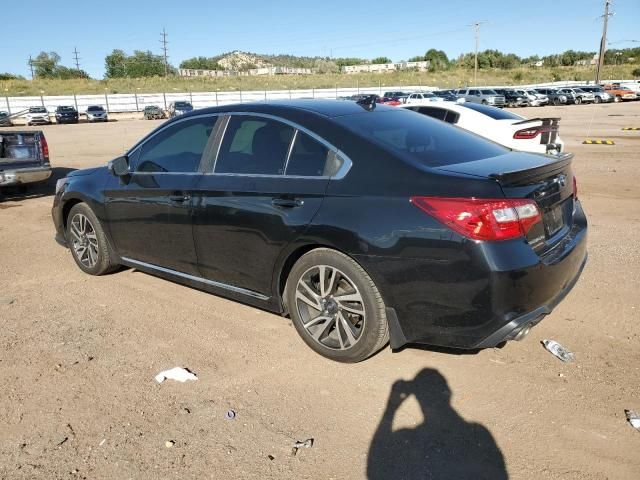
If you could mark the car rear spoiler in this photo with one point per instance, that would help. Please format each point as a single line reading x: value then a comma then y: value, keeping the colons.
x: 556, y: 162
x: 539, y: 119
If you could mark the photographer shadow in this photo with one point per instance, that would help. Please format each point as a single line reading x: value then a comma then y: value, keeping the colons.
x: 444, y: 446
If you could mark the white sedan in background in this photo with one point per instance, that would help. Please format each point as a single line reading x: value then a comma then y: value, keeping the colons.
x: 537, y: 135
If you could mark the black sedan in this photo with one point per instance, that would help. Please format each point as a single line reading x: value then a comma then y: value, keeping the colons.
x: 66, y: 114
x: 363, y: 223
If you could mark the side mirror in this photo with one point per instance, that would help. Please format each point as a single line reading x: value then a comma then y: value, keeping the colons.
x: 119, y: 166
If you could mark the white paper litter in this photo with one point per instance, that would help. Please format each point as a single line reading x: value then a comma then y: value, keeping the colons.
x: 633, y: 418
x: 177, y: 373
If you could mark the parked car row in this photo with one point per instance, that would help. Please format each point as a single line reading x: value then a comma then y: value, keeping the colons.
x: 514, y: 96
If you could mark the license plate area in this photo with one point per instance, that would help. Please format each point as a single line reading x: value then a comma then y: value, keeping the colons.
x: 554, y: 220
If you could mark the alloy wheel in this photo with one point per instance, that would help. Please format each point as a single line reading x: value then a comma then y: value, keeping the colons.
x: 331, y: 307
x: 84, y: 240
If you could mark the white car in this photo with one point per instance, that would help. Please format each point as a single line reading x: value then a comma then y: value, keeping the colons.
x: 37, y: 116
x: 532, y: 98
x: 421, y: 97
x: 537, y: 135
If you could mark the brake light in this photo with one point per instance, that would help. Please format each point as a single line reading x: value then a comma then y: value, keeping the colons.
x: 575, y: 188
x: 526, y: 133
x: 44, y: 148
x: 483, y: 219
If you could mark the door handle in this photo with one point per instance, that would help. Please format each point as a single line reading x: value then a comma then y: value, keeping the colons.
x: 287, y: 202
x: 179, y: 198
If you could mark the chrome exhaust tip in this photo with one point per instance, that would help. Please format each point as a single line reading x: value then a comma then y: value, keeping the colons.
x: 523, y: 332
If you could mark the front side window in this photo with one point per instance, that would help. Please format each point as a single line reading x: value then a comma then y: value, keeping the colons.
x: 254, y: 145
x: 178, y: 148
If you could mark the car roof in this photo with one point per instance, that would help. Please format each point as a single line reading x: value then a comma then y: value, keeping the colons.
x: 326, y: 108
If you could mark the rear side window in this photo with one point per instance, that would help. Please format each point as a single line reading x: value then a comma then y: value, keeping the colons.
x: 493, y: 112
x: 420, y: 138
x: 254, y: 145
x: 177, y: 148
x: 308, y: 157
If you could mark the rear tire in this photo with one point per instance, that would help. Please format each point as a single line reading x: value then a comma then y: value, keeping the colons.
x: 597, y: 100
x: 88, y: 242
x: 327, y: 293
x: 617, y: 99
x: 578, y: 100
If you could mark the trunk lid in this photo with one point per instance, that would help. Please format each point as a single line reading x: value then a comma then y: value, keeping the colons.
x: 547, y: 180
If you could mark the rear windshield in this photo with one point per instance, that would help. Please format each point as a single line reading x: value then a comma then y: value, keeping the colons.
x: 183, y: 104
x: 493, y: 112
x: 428, y: 141
x: 94, y: 109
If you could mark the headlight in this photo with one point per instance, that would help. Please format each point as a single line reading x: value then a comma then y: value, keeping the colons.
x: 60, y: 184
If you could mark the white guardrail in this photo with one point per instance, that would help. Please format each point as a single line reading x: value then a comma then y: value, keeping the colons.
x: 135, y: 102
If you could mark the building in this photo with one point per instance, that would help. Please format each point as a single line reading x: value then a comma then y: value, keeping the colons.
x: 386, y: 67
x: 188, y: 72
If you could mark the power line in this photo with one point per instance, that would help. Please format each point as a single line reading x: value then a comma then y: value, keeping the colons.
x: 603, y: 40
x: 164, y: 43
x: 476, y: 26
x: 77, y: 59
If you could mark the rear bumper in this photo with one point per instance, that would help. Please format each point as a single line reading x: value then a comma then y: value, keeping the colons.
x: 479, y: 295
x: 25, y: 175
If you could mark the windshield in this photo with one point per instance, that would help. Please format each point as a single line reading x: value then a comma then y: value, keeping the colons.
x: 420, y: 138
x: 94, y: 108
x: 37, y: 110
x: 579, y: 90
x: 493, y: 112
x: 3, y: 114
x: 183, y: 105
x: 66, y: 109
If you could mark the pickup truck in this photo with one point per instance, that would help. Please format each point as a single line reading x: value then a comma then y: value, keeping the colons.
x: 620, y: 93
x: 24, y: 158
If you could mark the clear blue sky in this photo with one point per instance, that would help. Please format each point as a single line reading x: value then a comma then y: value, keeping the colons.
x: 396, y: 29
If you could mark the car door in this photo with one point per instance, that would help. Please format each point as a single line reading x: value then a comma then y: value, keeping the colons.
x: 266, y: 185
x: 150, y: 212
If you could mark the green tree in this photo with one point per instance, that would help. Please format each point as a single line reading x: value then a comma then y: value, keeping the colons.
x: 438, y: 59
x: 46, y: 64
x: 10, y: 76
x: 381, y: 60
x: 140, y: 64
x: 636, y: 73
x: 115, y: 64
x: 201, y: 63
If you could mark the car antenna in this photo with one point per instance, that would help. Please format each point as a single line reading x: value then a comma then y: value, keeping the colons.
x: 368, y: 102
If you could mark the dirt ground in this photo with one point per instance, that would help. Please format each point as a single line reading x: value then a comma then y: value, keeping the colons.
x: 78, y: 355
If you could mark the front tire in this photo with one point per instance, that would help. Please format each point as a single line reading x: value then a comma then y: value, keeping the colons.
x: 617, y: 99
x: 578, y: 100
x: 597, y: 100
x: 88, y: 242
x: 336, y: 307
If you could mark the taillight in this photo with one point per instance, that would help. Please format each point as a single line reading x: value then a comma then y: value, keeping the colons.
x: 526, y: 133
x: 575, y: 188
x: 483, y: 219
x: 44, y: 148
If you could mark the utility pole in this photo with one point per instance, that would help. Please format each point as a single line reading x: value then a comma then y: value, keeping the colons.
x: 603, y: 41
x: 77, y: 59
x: 164, y: 42
x: 476, y: 26
x: 31, y: 66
